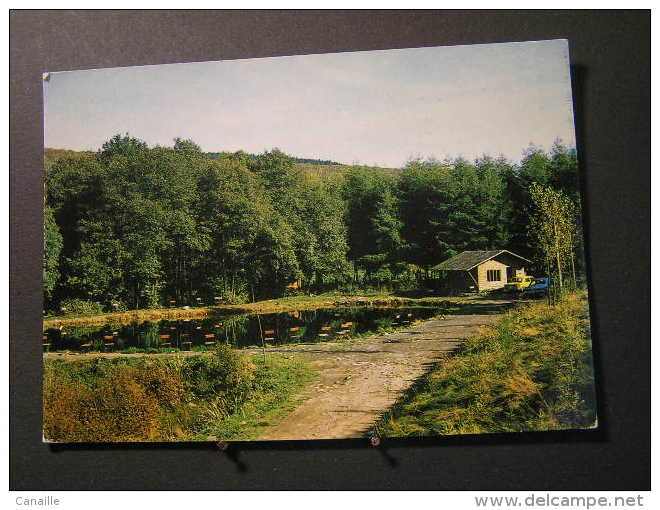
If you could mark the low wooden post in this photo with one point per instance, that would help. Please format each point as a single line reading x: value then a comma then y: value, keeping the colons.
x: 163, y: 344
x: 263, y: 344
x: 211, y: 339
x: 111, y: 344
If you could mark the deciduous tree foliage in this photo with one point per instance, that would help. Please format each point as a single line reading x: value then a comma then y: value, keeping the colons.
x: 554, y: 225
x: 142, y: 227
x: 52, y: 250
x: 372, y: 218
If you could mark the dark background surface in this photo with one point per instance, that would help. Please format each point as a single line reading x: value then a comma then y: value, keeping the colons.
x: 610, y: 54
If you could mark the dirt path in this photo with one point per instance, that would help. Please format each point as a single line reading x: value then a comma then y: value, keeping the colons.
x: 362, y: 378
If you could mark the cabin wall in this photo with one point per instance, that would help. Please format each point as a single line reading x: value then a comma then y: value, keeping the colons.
x: 482, y: 272
x: 516, y: 266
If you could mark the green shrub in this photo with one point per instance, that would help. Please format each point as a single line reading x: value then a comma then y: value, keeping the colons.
x: 116, y: 305
x: 227, y: 374
x: 233, y: 293
x: 235, y: 298
x: 81, y: 307
x: 108, y: 400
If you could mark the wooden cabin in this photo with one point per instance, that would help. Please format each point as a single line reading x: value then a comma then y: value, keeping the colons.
x: 482, y: 270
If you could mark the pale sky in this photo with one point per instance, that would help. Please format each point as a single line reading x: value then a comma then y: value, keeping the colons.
x: 370, y: 107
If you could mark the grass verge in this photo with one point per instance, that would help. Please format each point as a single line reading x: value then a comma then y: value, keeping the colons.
x: 532, y: 370
x: 225, y: 395
x: 285, y: 378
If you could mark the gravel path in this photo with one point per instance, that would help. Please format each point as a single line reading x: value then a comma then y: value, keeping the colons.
x: 360, y: 379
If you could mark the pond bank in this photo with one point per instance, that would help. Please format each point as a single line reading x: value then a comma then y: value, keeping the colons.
x: 239, y: 331
x: 268, y: 306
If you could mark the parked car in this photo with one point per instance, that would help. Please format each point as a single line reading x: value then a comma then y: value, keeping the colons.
x: 518, y: 283
x: 538, y: 287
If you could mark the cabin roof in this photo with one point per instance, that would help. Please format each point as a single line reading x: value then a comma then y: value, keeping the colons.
x: 467, y: 260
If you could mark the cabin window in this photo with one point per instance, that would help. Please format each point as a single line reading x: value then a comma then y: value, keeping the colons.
x: 494, y: 275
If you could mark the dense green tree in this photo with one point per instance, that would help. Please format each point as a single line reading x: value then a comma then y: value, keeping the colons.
x: 187, y: 145
x: 372, y: 217
x: 323, y: 215
x: 534, y: 168
x: 453, y: 206
x: 74, y: 187
x: 426, y: 196
x: 313, y: 212
x: 466, y: 223
x: 145, y: 226
x: 491, y: 197
x: 251, y: 244
x: 564, y: 170
x: 96, y: 270
x: 126, y: 146
x: 52, y: 251
x: 277, y: 171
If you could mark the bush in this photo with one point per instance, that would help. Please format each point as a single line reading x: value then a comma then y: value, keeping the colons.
x: 139, y: 399
x: 233, y: 293
x: 227, y: 374
x: 118, y: 409
x: 81, y: 307
x: 108, y: 400
x: 117, y: 305
x: 235, y: 298
x: 162, y: 380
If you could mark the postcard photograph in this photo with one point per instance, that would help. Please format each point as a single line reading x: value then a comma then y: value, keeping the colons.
x: 371, y: 244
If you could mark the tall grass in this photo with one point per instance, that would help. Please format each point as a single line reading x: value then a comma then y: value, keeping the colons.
x: 141, y: 399
x: 532, y: 370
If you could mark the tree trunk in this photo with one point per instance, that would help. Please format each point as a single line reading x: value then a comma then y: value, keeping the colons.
x: 558, y: 257
x: 573, y: 265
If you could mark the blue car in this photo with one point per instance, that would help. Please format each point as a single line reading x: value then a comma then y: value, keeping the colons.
x: 539, y: 287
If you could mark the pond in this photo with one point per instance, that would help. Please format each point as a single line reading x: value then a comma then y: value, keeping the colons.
x: 305, y: 326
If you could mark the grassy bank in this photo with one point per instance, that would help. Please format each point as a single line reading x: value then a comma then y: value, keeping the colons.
x: 532, y: 370
x: 286, y: 304
x: 227, y: 395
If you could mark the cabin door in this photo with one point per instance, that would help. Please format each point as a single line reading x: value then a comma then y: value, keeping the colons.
x: 510, y: 273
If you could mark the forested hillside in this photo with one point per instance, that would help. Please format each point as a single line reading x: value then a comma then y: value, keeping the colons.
x: 133, y: 227
x: 309, y: 161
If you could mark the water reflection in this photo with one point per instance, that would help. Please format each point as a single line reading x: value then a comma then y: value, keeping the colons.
x: 306, y: 326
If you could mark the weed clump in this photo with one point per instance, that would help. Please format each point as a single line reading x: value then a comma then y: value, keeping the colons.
x: 118, y: 408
